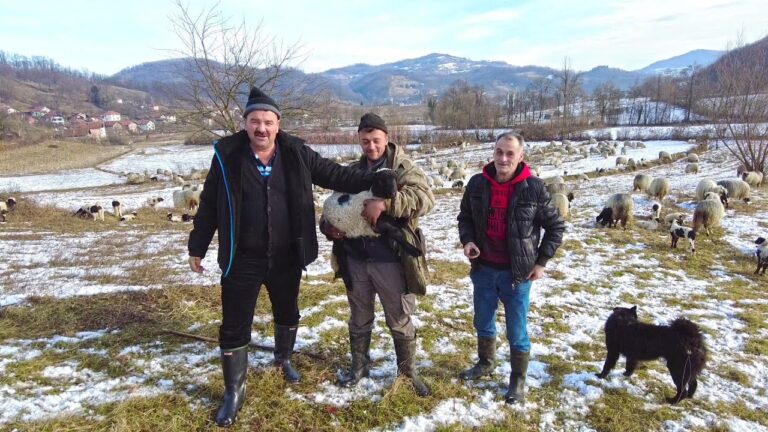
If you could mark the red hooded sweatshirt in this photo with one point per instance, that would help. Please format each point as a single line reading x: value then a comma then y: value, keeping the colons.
x: 495, y: 250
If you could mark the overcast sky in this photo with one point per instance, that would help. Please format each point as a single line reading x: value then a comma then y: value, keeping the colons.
x: 105, y: 37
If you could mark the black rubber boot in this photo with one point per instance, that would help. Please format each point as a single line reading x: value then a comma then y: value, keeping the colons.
x: 405, y: 350
x: 234, y: 364
x: 519, y: 363
x: 359, y: 344
x: 486, y: 353
x: 285, y: 338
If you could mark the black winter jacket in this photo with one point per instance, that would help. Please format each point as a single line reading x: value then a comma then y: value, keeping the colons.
x: 220, y: 201
x: 529, y: 211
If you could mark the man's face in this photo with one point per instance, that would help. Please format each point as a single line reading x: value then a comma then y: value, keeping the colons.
x: 373, y: 143
x: 507, y: 155
x: 262, y: 128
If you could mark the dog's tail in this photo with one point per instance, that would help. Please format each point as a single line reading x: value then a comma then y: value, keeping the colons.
x: 693, y: 341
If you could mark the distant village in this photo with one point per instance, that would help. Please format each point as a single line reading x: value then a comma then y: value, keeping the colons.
x: 78, y: 124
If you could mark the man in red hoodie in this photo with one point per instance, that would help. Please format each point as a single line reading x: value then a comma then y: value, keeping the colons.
x: 503, y: 212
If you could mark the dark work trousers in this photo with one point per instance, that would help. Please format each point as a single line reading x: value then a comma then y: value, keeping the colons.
x: 240, y: 290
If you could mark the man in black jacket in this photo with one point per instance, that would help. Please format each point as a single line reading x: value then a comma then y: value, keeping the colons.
x: 502, y: 213
x: 258, y: 195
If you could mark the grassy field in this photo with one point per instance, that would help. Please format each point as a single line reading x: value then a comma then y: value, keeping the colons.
x: 55, y: 155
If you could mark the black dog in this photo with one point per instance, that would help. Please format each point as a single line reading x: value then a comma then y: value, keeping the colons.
x: 680, y: 343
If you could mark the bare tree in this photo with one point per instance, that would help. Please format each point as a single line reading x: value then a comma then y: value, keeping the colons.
x: 569, y: 89
x: 741, y: 103
x: 222, y: 61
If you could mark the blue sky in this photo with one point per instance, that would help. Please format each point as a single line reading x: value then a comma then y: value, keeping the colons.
x: 105, y: 38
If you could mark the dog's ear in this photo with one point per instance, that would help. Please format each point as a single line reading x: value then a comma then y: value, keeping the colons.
x: 634, y: 311
x: 616, y: 309
x: 760, y: 240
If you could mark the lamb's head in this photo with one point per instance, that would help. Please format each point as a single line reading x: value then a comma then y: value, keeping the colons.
x: 384, y: 184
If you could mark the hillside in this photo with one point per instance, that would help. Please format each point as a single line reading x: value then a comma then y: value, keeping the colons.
x: 63, y: 90
x: 675, y: 64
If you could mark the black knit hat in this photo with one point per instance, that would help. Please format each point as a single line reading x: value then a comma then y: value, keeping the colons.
x: 257, y: 100
x: 371, y: 120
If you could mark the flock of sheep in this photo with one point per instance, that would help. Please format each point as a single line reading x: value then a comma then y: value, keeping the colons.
x: 187, y: 198
x: 712, y: 198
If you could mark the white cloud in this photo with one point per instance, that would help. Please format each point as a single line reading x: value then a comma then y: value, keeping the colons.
x: 474, y: 34
x: 496, y: 16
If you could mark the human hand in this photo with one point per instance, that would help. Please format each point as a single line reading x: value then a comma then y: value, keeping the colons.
x: 372, y: 209
x: 471, y: 250
x: 536, y: 273
x: 194, y: 264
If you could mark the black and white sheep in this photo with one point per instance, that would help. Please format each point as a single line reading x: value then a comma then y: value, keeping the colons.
x: 154, y: 201
x: 641, y: 182
x: 659, y: 188
x: 128, y: 217
x: 709, y: 212
x: 618, y: 208
x: 343, y: 211
x: 117, y: 209
x: 655, y: 210
x: 173, y: 218
x: 8, y: 204
x: 762, y: 255
x: 737, y: 189
x: 677, y: 232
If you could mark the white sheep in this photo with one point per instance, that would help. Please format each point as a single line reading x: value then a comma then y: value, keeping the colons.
x: 621, y: 160
x: 650, y: 225
x: 692, y: 168
x: 664, y: 156
x: 674, y: 217
x: 737, y: 189
x: 753, y: 178
x: 659, y: 188
x: 641, y: 182
x: 693, y: 157
x: 709, y: 212
x: 582, y: 177
x: 562, y: 204
x: 618, y: 208
x: 708, y: 185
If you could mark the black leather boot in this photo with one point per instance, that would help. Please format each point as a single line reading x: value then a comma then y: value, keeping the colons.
x: 519, y: 363
x: 234, y: 364
x: 486, y: 353
x: 359, y: 344
x: 405, y: 350
x: 285, y: 338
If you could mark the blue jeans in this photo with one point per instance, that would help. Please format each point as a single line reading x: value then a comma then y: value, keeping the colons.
x: 490, y: 285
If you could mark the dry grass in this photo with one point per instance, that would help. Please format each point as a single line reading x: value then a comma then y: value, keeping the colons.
x: 55, y: 155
